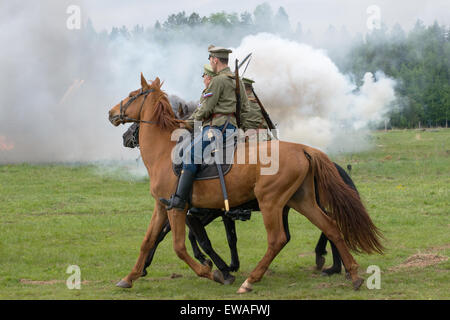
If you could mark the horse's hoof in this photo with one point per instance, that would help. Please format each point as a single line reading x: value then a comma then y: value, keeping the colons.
x: 330, y: 272
x: 123, y: 284
x: 208, y: 263
x: 234, y: 267
x: 357, y: 283
x: 218, y: 277
x: 144, y: 273
x: 348, y: 276
x: 229, y: 280
x: 245, y: 287
x: 320, y: 261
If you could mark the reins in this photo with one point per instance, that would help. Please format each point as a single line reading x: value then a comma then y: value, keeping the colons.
x: 123, y: 108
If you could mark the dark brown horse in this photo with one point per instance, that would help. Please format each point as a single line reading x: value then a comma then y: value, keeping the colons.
x: 301, y: 170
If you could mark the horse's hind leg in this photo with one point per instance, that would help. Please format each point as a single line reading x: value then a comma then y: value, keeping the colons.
x: 321, y: 251
x: 337, y: 262
x: 320, y: 260
x: 276, y: 240
x: 312, y: 211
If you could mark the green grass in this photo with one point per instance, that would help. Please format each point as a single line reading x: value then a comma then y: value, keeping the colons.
x: 53, y: 216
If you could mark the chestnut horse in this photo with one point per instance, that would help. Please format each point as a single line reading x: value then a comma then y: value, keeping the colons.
x: 301, y: 170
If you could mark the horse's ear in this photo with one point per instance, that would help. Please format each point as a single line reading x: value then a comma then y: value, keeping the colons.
x: 144, y: 83
x: 180, y: 111
x: 157, y: 82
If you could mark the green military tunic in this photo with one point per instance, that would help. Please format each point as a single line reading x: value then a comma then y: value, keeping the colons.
x: 254, y: 118
x: 207, y: 71
x: 191, y: 118
x: 218, y: 101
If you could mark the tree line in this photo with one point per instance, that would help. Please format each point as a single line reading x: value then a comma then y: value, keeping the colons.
x: 420, y: 62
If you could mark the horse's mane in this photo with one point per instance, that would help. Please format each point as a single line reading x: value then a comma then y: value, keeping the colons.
x: 163, y: 114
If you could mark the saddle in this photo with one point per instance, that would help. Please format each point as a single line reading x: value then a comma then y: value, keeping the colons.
x: 209, y: 171
x: 206, y: 172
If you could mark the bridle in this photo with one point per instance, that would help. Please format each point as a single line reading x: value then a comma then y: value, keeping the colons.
x: 123, y: 107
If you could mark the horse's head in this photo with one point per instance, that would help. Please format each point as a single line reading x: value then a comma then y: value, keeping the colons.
x: 130, y: 108
x: 149, y: 104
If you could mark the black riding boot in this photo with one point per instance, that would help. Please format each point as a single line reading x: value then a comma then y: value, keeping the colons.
x: 181, y: 196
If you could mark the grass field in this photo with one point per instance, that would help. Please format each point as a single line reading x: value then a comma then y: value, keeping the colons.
x: 53, y: 216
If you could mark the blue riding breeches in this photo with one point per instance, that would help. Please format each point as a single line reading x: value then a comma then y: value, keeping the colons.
x: 193, y: 155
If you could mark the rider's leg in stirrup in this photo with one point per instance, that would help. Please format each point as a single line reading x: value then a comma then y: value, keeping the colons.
x: 181, y: 196
x: 187, y: 177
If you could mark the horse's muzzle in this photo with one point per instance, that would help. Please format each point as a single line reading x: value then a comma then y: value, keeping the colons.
x: 114, y: 119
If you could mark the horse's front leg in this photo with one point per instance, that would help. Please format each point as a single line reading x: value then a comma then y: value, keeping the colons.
x: 157, y: 222
x: 165, y: 230
x: 177, y: 219
x: 223, y: 276
x: 230, y: 228
x: 203, y: 221
x: 198, y: 254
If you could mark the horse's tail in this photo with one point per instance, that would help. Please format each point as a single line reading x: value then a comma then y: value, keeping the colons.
x: 344, y: 205
x: 347, y: 179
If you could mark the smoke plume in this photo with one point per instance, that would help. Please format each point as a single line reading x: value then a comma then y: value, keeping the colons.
x: 312, y: 102
x: 57, y: 85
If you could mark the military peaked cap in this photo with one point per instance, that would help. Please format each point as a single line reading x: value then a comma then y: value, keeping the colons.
x: 247, y: 81
x: 219, y: 52
x: 207, y: 70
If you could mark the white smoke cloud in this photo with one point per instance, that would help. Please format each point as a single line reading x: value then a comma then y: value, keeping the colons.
x: 312, y: 102
x: 54, y: 87
x: 57, y: 85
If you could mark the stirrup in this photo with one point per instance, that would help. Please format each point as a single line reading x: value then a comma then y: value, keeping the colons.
x: 174, y: 202
x: 239, y: 214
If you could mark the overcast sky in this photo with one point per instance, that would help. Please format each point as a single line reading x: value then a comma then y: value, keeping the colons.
x: 316, y: 15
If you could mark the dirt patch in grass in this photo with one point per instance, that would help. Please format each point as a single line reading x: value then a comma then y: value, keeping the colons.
x: 324, y: 285
x: 420, y: 260
x: 439, y: 248
x: 306, y: 254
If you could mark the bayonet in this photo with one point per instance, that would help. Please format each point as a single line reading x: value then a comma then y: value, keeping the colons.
x: 248, y: 57
x: 245, y: 59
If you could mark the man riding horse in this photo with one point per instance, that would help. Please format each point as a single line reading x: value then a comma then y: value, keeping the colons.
x: 217, y: 110
x: 255, y: 119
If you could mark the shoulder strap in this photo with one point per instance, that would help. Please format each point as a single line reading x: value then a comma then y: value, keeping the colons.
x: 238, y: 94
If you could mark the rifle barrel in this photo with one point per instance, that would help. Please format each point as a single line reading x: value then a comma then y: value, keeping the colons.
x: 245, y: 59
x: 264, y: 112
x: 238, y: 94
